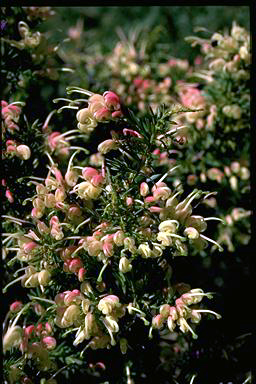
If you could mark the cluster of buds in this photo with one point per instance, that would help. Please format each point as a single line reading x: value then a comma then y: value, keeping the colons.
x: 237, y: 214
x: 180, y: 313
x: 113, y: 310
x: 235, y: 173
x: 32, y: 278
x: 192, y: 97
x: 91, y: 188
x: 232, y: 111
x: 175, y: 215
x: 162, y: 158
x: 173, y: 64
x: 8, y: 193
x: 58, y: 144
x: 123, y: 61
x: 10, y: 114
x: 21, y: 151
x: 28, y: 38
x: 72, y: 264
x: 100, y: 108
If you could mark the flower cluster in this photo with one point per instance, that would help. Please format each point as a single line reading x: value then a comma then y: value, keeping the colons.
x: 100, y: 108
x: 10, y: 114
x: 180, y: 313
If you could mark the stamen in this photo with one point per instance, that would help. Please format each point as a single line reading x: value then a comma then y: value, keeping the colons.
x: 50, y: 158
x: 99, y: 279
x: 48, y: 118
x: 71, y: 159
x: 80, y: 225
x: 79, y: 90
x: 66, y: 107
x: 191, y: 199
x: 167, y: 173
x: 213, y: 218
x: 208, y: 311
x: 212, y: 241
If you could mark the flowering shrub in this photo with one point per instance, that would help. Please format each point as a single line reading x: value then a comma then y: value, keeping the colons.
x: 116, y: 200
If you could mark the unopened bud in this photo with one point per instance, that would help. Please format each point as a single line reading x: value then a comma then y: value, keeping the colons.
x: 23, y: 151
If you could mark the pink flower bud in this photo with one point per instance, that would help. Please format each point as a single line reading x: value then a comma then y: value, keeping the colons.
x: 54, y: 220
x: 97, y: 180
x: 29, y: 330
x: 75, y: 265
x: 49, y: 342
x: 28, y: 247
x: 144, y: 189
x: 117, y: 114
x: 149, y: 199
x: 108, y: 249
x: 112, y: 100
x: 102, y: 114
x: 81, y: 274
x: 11, y: 148
x: 129, y: 201
x: 36, y: 213
x: 9, y: 196
x: 89, y: 172
x: 131, y: 132
x: 155, y: 209
x: 16, y: 306
x: 58, y: 175
x: 157, y: 321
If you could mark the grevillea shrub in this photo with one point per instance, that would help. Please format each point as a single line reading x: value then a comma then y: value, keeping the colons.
x: 118, y: 206
x: 96, y: 259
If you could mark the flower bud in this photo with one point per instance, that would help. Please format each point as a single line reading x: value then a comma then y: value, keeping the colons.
x: 59, y: 195
x: 49, y: 200
x: 107, y: 145
x: 124, y: 265
x: 16, y: 306
x: 144, y: 250
x: 168, y: 226
x: 75, y: 264
x: 171, y: 324
x: 119, y: 237
x: 49, y: 342
x: 23, y: 151
x: 191, y: 233
x: 112, y: 100
x: 44, y: 277
x: 70, y: 315
x: 108, y: 303
x: 158, y: 321
x: 123, y: 345
x: 12, y: 338
x: 165, y: 310
x: 81, y: 274
x: 129, y: 243
x: 71, y: 178
x: 144, y: 189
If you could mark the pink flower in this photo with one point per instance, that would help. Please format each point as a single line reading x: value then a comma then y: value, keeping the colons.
x: 102, y: 114
x: 16, y: 306
x: 112, y: 100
